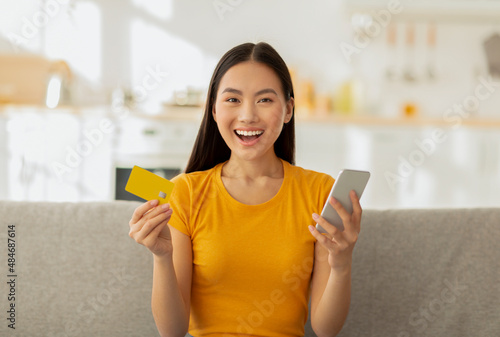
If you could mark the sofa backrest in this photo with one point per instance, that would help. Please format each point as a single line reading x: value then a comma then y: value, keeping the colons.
x: 78, y: 271
x: 426, y: 273
x: 415, y: 272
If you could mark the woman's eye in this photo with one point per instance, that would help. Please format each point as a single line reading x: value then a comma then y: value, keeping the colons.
x: 232, y: 100
x: 265, y: 100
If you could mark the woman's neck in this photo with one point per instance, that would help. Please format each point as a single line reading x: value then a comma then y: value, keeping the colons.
x: 253, y: 169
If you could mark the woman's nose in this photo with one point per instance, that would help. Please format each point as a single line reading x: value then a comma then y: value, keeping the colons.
x: 248, y: 113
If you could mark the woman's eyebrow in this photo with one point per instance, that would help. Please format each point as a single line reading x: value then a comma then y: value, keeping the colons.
x: 232, y: 90
x: 260, y: 92
x: 266, y: 91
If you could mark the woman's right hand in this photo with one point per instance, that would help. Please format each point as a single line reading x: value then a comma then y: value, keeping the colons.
x: 148, y: 227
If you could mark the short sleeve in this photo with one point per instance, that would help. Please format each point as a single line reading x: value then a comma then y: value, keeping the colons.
x: 180, y: 204
x: 325, y: 189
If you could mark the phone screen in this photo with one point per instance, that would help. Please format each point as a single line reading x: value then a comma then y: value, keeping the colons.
x: 346, y: 181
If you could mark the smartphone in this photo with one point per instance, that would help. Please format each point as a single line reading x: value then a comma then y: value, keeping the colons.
x: 346, y: 181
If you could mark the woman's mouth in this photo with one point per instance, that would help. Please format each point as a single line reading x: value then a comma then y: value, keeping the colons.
x: 248, y: 137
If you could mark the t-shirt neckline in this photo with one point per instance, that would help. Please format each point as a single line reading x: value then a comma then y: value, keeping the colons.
x: 269, y: 203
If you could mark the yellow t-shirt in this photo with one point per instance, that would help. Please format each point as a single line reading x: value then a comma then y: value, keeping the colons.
x: 252, y: 264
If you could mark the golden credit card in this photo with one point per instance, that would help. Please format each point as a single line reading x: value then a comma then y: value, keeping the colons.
x: 149, y: 186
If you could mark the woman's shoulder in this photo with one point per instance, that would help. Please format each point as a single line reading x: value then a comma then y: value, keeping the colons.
x: 309, y: 175
x: 195, y: 178
x: 311, y: 184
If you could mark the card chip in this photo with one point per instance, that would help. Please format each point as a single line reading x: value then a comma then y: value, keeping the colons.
x: 162, y: 195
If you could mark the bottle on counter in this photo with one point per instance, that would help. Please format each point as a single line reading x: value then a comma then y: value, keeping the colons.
x: 305, y: 96
x: 350, y: 97
x: 410, y: 109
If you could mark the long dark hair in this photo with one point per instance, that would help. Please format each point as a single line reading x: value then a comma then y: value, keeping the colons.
x: 210, y: 148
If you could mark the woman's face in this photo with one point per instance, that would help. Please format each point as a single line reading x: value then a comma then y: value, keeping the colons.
x: 250, y: 110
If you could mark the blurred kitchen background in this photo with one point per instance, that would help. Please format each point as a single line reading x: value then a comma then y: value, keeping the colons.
x: 407, y: 90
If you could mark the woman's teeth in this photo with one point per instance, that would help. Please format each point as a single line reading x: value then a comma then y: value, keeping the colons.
x: 249, y: 133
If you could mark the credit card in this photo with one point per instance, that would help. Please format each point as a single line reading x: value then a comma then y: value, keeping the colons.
x: 149, y: 186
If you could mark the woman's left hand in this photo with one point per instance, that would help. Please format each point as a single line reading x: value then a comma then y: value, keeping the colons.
x: 340, y: 244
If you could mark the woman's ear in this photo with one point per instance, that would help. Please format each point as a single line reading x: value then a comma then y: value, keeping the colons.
x: 289, y: 110
x: 214, y: 115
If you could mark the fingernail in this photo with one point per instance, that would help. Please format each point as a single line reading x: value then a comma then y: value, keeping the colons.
x: 311, y: 228
x: 165, y: 206
x: 315, y: 216
x: 153, y: 202
x: 334, y: 201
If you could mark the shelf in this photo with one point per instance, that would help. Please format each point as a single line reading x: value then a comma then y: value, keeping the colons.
x: 384, y: 121
x: 479, y: 11
x: 195, y: 115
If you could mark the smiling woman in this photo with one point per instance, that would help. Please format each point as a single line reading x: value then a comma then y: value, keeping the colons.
x: 210, y: 147
x: 255, y: 112
x: 236, y: 251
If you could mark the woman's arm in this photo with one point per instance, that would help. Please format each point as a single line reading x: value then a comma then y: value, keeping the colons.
x: 330, y: 295
x: 171, y: 295
x: 331, y: 279
x: 172, y: 271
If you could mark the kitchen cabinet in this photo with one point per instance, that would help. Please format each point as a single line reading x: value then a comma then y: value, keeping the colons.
x: 158, y: 143
x: 154, y: 141
x: 414, y: 163
x: 55, y: 154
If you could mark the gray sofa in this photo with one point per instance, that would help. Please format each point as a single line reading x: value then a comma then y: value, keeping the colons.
x: 415, y: 273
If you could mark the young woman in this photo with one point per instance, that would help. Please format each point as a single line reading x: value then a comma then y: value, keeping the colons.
x: 236, y: 252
